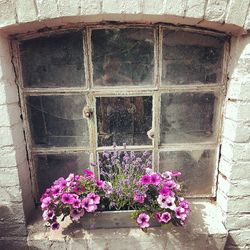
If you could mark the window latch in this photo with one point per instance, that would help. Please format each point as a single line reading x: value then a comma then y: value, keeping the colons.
x: 87, y: 112
x: 150, y: 134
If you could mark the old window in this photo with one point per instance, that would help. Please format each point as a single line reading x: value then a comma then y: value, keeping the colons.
x: 84, y: 89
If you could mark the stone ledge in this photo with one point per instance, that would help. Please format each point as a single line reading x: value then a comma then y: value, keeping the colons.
x: 204, y: 230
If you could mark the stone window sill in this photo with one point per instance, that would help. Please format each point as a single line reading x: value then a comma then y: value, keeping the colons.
x: 204, y: 230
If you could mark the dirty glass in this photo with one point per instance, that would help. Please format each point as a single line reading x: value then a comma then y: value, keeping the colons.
x: 191, y: 58
x: 53, y: 166
x: 188, y: 117
x: 123, y: 56
x: 54, y: 61
x: 197, y: 168
x: 124, y: 120
x: 57, y: 120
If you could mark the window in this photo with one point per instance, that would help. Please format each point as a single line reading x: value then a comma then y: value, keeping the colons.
x: 156, y: 88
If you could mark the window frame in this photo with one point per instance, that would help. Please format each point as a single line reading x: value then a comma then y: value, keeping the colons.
x: 155, y: 90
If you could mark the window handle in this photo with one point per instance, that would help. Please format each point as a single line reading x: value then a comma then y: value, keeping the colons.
x: 150, y: 134
x: 87, y: 112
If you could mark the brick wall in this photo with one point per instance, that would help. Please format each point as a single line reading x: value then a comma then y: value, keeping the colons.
x: 231, y: 16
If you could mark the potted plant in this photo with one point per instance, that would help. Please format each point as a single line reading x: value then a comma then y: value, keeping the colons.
x: 128, y: 185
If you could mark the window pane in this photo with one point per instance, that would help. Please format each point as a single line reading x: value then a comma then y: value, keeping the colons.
x: 123, y: 56
x: 124, y: 120
x: 197, y: 168
x: 55, y: 61
x: 187, y: 117
x: 191, y: 58
x: 58, y: 120
x: 51, y: 167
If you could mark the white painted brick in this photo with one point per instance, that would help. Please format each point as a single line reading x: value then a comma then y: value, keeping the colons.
x: 235, y: 151
x: 91, y: 7
x: 236, y: 131
x: 239, y: 88
x: 7, y: 157
x: 216, y: 10
x: 237, y: 111
x: 7, y: 13
x: 235, y: 170
x: 237, y: 221
x: 236, y: 12
x: 68, y: 7
x: 153, y: 7
x: 112, y: 6
x: 8, y: 94
x: 12, y: 194
x: 9, y: 177
x: 26, y: 10
x: 47, y: 9
x: 6, y: 70
x: 239, y: 238
x: 9, y: 115
x: 195, y: 8
x: 131, y: 7
x: 175, y: 7
x: 247, y: 22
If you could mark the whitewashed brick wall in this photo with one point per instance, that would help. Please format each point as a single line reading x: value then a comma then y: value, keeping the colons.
x: 231, y: 16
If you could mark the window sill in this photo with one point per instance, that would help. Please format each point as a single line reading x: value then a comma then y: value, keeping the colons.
x: 204, y: 230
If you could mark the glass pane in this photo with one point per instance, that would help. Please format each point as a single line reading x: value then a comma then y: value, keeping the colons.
x: 123, y: 56
x: 51, y: 167
x: 187, y: 117
x: 197, y: 168
x: 55, y: 61
x: 191, y: 58
x: 124, y: 120
x: 58, y: 120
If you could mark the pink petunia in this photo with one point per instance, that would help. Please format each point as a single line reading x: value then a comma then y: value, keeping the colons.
x: 139, y: 197
x: 145, y: 179
x: 46, y: 202
x: 181, y: 213
x: 143, y: 220
x: 88, y: 174
x: 165, y: 217
x: 165, y: 191
x: 76, y: 214
x: 89, y: 205
x: 100, y: 184
x: 79, y: 189
x: 155, y: 179
x: 94, y: 197
x: 67, y: 198
x: 76, y: 203
x: 55, y: 190
x: 158, y: 216
x: 48, y: 214
x: 166, y: 202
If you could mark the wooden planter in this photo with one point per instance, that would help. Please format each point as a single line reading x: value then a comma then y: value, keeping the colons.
x: 111, y: 219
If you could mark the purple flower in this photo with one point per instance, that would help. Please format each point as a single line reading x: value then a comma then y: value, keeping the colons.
x: 165, y: 191
x: 100, y: 184
x: 48, y: 214
x: 171, y: 184
x: 79, y: 189
x: 89, y: 205
x: 155, y: 179
x: 165, y: 217
x: 143, y: 220
x: 145, y: 179
x: 166, y: 202
x: 76, y: 203
x: 55, y: 225
x: 88, y: 173
x: 56, y: 190
x: 139, y: 197
x: 45, y: 202
x: 181, y: 213
x: 76, y: 214
x: 158, y: 216
x: 94, y: 197
x: 67, y: 198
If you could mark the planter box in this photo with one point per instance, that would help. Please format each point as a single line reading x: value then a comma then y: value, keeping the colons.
x: 111, y: 219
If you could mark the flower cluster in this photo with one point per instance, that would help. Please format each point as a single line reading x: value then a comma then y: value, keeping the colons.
x: 127, y: 183
x: 73, y: 196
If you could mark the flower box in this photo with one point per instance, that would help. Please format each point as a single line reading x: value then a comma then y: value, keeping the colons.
x: 111, y: 219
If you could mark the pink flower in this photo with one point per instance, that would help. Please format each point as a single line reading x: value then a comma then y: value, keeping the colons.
x: 155, y: 179
x: 100, y: 183
x: 70, y: 178
x: 67, y: 198
x: 158, y: 216
x: 88, y: 173
x: 165, y: 191
x: 145, y: 179
x: 89, y: 205
x: 165, y: 217
x: 181, y: 213
x: 183, y: 203
x: 45, y: 202
x: 56, y: 190
x: 79, y: 189
x: 139, y: 197
x: 175, y: 173
x: 76, y: 214
x: 94, y: 197
x: 167, y: 175
x: 143, y: 220
x: 48, y: 214
x: 170, y: 184
x: 55, y: 225
x: 76, y: 203
x: 166, y: 202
